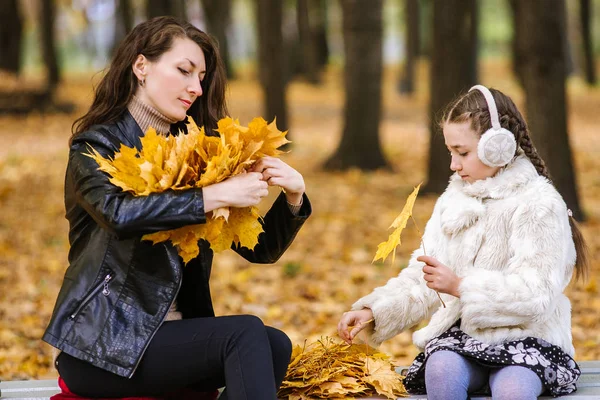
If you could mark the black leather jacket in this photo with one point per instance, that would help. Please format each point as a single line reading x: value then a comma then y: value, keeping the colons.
x: 118, y: 289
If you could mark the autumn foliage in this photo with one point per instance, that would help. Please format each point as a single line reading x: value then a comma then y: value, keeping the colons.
x: 328, y: 266
x: 195, y: 160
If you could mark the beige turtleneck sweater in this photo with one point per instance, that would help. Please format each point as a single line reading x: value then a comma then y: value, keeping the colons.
x: 147, y: 116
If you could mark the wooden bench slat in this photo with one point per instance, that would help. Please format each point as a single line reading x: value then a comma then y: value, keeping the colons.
x: 28, y: 389
x: 583, y: 393
x: 588, y: 387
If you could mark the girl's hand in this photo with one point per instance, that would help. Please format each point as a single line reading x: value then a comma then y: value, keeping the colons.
x: 243, y: 190
x: 439, y: 277
x: 277, y: 173
x: 356, y: 320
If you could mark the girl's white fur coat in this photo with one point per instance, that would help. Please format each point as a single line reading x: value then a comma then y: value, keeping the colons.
x: 509, y: 238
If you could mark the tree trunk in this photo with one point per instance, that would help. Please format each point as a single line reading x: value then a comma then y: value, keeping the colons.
x: 48, y: 41
x: 426, y: 29
x: 411, y: 21
x: 179, y: 9
x: 517, y: 62
x: 360, y: 144
x: 544, y: 84
x: 589, y: 63
x: 319, y: 11
x: 474, y: 45
x: 520, y: 30
x: 156, y: 8
x: 11, y: 33
x: 175, y: 8
x: 308, y: 45
x: 571, y: 59
x: 123, y: 25
x: 218, y: 18
x: 451, y: 75
x: 271, y: 57
x: 126, y: 15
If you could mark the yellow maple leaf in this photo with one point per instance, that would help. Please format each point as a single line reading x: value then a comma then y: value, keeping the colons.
x: 382, y: 376
x: 221, y: 235
x: 147, y: 173
x: 216, y: 170
x: 124, y: 170
x: 348, y: 382
x: 248, y: 156
x: 332, y: 388
x: 151, y: 142
x: 296, y: 356
x: 185, y: 239
x: 104, y: 164
x: 222, y: 212
x: 269, y: 135
x: 171, y: 167
x: 157, y: 237
x: 246, y: 225
x: 387, y: 247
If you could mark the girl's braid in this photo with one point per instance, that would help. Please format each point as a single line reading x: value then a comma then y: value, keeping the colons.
x: 516, y: 125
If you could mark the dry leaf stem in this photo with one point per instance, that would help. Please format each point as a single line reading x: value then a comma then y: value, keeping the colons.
x: 425, y: 253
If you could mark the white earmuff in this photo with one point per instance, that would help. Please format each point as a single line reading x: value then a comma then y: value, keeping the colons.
x: 497, y: 145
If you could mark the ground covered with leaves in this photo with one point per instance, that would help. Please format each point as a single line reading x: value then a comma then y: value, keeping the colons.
x: 329, y: 265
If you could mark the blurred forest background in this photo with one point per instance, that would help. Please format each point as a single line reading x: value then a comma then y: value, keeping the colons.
x: 360, y: 85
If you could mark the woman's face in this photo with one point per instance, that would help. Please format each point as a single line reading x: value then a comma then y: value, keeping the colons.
x: 172, y: 83
x: 461, y: 141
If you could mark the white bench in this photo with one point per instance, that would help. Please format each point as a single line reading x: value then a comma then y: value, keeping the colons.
x: 588, y: 387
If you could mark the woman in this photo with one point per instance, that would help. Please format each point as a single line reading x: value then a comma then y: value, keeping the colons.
x: 130, y: 319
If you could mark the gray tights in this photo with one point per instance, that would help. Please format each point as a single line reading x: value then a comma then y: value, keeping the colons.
x: 449, y: 375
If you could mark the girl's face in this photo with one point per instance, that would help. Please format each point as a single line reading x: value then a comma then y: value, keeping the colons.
x: 461, y: 140
x: 172, y: 83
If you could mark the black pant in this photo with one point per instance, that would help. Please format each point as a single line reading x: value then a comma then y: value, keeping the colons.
x: 238, y: 352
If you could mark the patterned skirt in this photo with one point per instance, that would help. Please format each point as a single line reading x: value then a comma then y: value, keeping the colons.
x: 556, y: 369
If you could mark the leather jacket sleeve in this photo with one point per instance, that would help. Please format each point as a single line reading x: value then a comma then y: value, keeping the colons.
x: 120, y: 212
x: 280, y: 228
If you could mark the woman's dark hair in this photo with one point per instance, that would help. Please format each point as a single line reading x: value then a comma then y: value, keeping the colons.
x: 153, y: 38
x: 472, y: 106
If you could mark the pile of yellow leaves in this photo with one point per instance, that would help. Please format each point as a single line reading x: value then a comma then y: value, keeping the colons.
x: 195, y: 160
x: 330, y: 369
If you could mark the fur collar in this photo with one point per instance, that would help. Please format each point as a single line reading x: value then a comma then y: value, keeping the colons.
x: 463, y: 205
x: 506, y: 182
x: 459, y: 212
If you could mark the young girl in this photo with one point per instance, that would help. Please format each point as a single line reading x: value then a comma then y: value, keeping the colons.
x: 500, y: 247
x: 130, y: 318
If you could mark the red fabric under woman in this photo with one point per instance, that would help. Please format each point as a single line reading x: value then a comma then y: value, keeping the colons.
x: 184, y: 394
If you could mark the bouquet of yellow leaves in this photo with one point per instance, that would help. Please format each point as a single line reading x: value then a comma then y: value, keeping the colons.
x: 330, y: 369
x: 195, y: 160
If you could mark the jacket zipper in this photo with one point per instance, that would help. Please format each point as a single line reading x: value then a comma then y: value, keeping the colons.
x: 156, y: 330
x: 105, y: 291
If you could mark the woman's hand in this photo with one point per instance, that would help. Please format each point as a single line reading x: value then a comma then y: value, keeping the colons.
x: 277, y: 173
x: 356, y: 321
x: 439, y: 277
x: 243, y: 190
